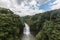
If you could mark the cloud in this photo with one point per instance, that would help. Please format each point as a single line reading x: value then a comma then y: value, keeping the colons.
x: 4, y: 3
x: 28, y: 7
x: 56, y: 5
x: 23, y: 7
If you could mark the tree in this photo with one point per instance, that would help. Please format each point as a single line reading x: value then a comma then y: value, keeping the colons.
x: 11, y: 26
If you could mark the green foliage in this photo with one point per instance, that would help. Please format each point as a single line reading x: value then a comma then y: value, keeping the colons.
x: 38, y: 36
x: 5, y: 11
x: 45, y: 26
x: 51, y: 31
x: 10, y: 25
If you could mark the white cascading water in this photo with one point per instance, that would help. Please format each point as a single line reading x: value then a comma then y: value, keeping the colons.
x: 26, y: 33
x: 26, y: 30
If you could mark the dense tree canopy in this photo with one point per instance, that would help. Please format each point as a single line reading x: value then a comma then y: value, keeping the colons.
x: 10, y: 25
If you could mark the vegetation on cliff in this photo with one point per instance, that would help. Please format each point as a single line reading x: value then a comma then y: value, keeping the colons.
x: 10, y: 25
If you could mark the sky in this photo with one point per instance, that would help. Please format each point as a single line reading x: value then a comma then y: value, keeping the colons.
x: 30, y: 7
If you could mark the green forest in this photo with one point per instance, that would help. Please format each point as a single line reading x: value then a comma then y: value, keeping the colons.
x: 44, y: 26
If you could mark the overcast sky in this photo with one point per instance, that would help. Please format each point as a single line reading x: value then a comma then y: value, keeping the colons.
x: 30, y: 7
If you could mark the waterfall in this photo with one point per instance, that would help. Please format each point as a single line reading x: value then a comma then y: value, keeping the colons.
x: 26, y: 30
x: 26, y: 33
